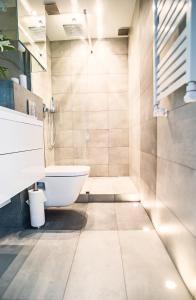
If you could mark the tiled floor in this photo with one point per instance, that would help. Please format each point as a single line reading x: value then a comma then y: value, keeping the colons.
x: 109, y: 185
x: 94, y: 251
x: 109, y: 189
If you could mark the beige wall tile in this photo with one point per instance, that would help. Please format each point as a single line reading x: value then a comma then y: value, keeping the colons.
x: 64, y: 162
x: 118, y: 46
x: 81, y: 161
x: 79, y: 102
x: 98, y: 64
x: 61, y: 66
x: 61, y: 84
x: 149, y: 136
x: 118, y: 101
x: 118, y: 155
x: 175, y: 186
x: 167, y: 187
x: 101, y: 47
x: 117, y: 83
x: 98, y: 138
x: 79, y: 83
x: 98, y: 120
x: 176, y: 137
x: 181, y: 241
x: 118, y: 119
x: 64, y: 102
x: 64, y: 138
x: 80, y: 138
x: 63, y: 154
x: 119, y: 138
x: 118, y: 64
x: 118, y: 170
x: 60, y: 49
x: 63, y: 120
x: 80, y: 120
x: 97, y: 156
x: 98, y: 84
x: 81, y: 153
x: 99, y: 170
x: 86, y: 86
x: 49, y: 155
x: 147, y: 108
x: 148, y: 164
x: 97, y: 101
x: 79, y: 49
x: 79, y: 65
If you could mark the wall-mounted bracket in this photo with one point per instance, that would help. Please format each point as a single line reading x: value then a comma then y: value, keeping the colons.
x: 190, y: 95
x: 159, y: 111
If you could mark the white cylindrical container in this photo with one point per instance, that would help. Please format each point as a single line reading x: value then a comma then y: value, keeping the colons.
x: 36, y: 203
x: 23, y: 80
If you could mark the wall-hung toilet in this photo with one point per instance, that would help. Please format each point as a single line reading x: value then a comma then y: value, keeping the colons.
x: 63, y: 184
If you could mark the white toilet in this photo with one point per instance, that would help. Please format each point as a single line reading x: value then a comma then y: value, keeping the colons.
x: 63, y: 184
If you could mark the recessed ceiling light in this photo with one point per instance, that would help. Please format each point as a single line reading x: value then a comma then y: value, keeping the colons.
x: 171, y: 285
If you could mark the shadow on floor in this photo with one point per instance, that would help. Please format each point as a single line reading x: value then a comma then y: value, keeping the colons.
x: 64, y: 219
x: 7, y: 256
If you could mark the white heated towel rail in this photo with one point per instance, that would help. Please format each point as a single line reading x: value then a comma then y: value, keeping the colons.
x: 174, y: 50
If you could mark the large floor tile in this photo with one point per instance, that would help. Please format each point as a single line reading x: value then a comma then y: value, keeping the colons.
x: 148, y: 269
x: 44, y: 273
x: 15, y: 237
x: 71, y: 218
x: 97, y: 272
x: 15, y: 247
x: 12, y: 258
x: 132, y: 216
x: 124, y: 185
x: 102, y: 185
x: 101, y: 216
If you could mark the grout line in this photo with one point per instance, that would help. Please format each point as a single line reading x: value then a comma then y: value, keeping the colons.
x: 123, y: 270
x: 23, y: 245
x: 73, y: 259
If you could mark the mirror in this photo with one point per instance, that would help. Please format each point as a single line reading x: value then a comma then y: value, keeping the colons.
x: 32, y: 28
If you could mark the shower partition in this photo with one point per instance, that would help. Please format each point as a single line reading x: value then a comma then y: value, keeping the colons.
x: 174, y: 50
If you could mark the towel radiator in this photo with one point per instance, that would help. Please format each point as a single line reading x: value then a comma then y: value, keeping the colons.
x: 174, y: 50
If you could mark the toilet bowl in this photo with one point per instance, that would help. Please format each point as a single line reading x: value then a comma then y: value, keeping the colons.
x: 63, y: 184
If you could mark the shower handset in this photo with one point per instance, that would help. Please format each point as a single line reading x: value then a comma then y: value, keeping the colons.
x: 52, y: 105
x: 51, y: 124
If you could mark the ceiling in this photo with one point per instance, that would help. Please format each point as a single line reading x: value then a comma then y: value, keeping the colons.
x: 104, y: 18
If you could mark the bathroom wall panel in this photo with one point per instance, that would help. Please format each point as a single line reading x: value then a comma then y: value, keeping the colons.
x: 162, y: 152
x: 92, y: 102
x: 26, y: 166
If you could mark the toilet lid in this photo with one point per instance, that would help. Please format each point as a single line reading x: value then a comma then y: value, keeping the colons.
x: 67, y: 171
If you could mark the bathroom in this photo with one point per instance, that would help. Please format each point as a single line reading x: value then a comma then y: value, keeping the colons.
x: 97, y: 154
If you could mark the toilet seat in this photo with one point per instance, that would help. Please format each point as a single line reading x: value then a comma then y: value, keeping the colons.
x: 66, y: 171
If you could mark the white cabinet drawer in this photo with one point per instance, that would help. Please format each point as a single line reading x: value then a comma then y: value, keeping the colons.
x: 18, y: 171
x: 19, y: 134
